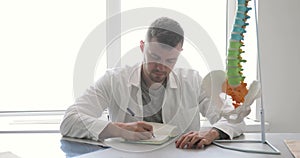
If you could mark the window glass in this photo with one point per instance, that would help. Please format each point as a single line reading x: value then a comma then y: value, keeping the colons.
x: 40, y: 41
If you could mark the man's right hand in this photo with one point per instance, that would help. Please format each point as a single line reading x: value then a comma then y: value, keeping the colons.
x: 134, y: 130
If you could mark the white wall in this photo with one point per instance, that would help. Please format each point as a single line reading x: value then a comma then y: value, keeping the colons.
x: 279, y: 30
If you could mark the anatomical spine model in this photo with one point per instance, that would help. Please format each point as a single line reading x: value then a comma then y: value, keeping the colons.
x: 232, y: 83
x: 235, y: 86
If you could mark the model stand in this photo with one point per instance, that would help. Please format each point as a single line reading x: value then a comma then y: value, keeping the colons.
x: 235, y: 78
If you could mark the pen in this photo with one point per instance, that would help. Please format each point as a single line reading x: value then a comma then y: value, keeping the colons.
x: 153, y: 135
x: 130, y: 111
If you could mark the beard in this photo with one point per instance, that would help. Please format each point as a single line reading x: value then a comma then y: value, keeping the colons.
x: 158, y: 76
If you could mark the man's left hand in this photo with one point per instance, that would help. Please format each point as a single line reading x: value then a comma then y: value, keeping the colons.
x: 197, y: 139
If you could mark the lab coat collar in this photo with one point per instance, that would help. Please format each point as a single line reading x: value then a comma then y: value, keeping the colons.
x: 135, y: 77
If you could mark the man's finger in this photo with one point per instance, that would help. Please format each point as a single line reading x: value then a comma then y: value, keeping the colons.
x: 131, y: 135
x: 144, y: 135
x: 180, y: 140
x: 185, y: 141
x: 201, y: 143
x: 145, y: 126
x: 194, y: 141
x: 147, y: 135
x: 183, y: 137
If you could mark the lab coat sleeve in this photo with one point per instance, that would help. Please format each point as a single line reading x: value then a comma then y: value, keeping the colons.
x: 212, y: 112
x: 81, y: 118
x: 232, y: 130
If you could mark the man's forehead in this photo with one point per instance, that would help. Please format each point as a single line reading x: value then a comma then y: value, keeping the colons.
x: 162, y: 51
x: 156, y: 47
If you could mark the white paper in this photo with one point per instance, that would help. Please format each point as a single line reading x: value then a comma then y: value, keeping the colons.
x: 294, y: 147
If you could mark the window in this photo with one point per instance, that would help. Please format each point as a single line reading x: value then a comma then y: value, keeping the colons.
x: 40, y: 41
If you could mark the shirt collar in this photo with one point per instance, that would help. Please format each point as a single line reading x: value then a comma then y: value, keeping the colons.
x: 135, y: 77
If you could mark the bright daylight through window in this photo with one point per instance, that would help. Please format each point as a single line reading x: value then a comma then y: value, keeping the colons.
x: 39, y: 47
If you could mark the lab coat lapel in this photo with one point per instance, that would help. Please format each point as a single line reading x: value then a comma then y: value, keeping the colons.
x: 172, y: 102
x: 135, y: 103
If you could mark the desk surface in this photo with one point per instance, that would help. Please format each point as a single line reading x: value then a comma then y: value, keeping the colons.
x: 42, y: 145
x: 50, y: 145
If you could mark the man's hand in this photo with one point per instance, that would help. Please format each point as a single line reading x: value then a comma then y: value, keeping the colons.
x: 135, y: 130
x: 197, y: 139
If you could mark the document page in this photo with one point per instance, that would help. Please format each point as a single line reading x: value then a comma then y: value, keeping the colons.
x: 86, y: 141
x: 294, y: 147
x: 162, y: 133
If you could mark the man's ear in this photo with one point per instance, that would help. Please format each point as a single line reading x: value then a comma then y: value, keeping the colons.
x: 179, y: 47
x: 142, y: 43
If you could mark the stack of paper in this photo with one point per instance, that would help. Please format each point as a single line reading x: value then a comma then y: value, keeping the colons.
x: 294, y: 147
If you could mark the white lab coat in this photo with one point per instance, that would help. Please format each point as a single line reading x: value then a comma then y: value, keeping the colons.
x: 120, y: 89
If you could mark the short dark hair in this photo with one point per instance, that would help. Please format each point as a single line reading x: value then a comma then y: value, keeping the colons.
x: 166, y: 31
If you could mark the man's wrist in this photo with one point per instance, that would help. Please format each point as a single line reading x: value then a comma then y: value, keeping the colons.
x: 117, y: 128
x: 111, y: 130
x: 215, y: 133
x: 221, y: 134
x: 118, y: 124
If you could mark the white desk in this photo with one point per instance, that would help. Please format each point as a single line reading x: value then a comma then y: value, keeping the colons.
x: 50, y: 145
x: 42, y: 145
x: 276, y: 139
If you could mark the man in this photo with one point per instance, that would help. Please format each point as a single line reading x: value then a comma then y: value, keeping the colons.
x: 149, y: 92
